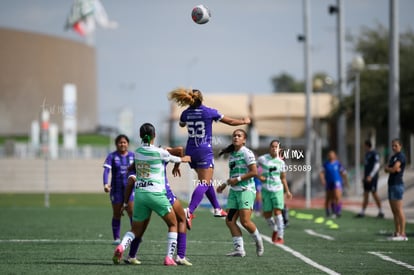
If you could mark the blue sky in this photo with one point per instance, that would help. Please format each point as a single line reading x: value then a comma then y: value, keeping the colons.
x: 157, y: 47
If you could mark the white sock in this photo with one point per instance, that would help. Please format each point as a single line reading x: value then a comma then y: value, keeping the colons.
x: 172, y: 243
x: 238, y: 243
x: 256, y: 236
x: 280, y: 226
x: 271, y: 222
x: 127, y: 239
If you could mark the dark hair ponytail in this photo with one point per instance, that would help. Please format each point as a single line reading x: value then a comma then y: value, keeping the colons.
x: 147, y: 132
x: 227, y: 150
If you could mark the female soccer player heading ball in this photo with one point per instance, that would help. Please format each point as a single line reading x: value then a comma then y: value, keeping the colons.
x: 199, y: 119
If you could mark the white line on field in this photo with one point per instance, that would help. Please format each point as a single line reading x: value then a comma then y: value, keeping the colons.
x: 298, y: 255
x: 313, y: 233
x: 389, y: 259
x: 301, y: 257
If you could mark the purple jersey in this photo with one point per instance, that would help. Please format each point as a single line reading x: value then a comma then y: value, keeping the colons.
x: 119, y: 170
x: 199, y: 123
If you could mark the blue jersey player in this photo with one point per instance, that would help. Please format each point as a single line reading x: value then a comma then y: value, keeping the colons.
x: 333, y: 176
x: 117, y: 163
x: 198, y: 119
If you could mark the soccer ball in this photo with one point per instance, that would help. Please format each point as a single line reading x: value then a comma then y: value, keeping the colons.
x: 200, y: 14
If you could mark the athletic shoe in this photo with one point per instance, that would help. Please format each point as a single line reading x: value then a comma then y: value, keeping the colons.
x: 380, y: 215
x: 237, y: 253
x: 133, y: 261
x: 279, y: 241
x: 189, y: 218
x: 218, y: 212
x: 169, y: 261
x: 118, y: 254
x: 274, y: 236
x: 182, y: 261
x: 359, y: 215
x: 116, y: 242
x: 399, y: 238
x: 259, y: 248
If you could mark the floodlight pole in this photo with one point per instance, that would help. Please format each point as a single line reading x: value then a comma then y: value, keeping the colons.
x: 357, y: 66
x: 308, y: 90
x: 394, y: 76
x: 341, y: 122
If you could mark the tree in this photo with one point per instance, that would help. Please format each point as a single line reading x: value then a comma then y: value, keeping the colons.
x: 372, y: 44
x: 286, y: 83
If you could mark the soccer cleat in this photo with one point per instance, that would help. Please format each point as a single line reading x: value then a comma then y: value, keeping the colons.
x: 182, y: 261
x: 218, y: 212
x: 169, y: 261
x: 116, y: 242
x: 274, y: 236
x: 133, y: 261
x: 279, y: 241
x: 189, y: 218
x: 380, y: 215
x: 237, y: 253
x: 119, y: 250
x: 259, y: 248
x: 359, y: 215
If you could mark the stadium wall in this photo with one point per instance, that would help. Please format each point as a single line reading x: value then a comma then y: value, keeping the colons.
x: 71, y: 176
x: 34, y: 67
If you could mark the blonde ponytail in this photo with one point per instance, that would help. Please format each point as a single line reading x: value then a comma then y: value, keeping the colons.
x: 186, y: 97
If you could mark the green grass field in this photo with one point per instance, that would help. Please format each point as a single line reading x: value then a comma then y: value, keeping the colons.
x: 82, y: 139
x: 73, y: 236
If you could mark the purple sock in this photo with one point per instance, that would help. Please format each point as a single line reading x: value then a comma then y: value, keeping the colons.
x: 257, y: 206
x: 134, y: 247
x: 197, y: 196
x: 212, y: 197
x: 116, y: 228
x: 338, y: 208
x: 181, y: 244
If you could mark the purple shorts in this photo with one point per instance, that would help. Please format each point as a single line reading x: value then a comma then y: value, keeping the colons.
x: 118, y: 197
x: 333, y: 185
x: 200, y: 157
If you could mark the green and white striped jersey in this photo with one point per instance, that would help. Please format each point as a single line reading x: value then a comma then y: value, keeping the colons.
x: 272, y: 168
x: 239, y: 162
x: 149, y: 165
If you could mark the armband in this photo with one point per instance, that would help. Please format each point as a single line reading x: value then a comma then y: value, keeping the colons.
x: 239, y: 179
